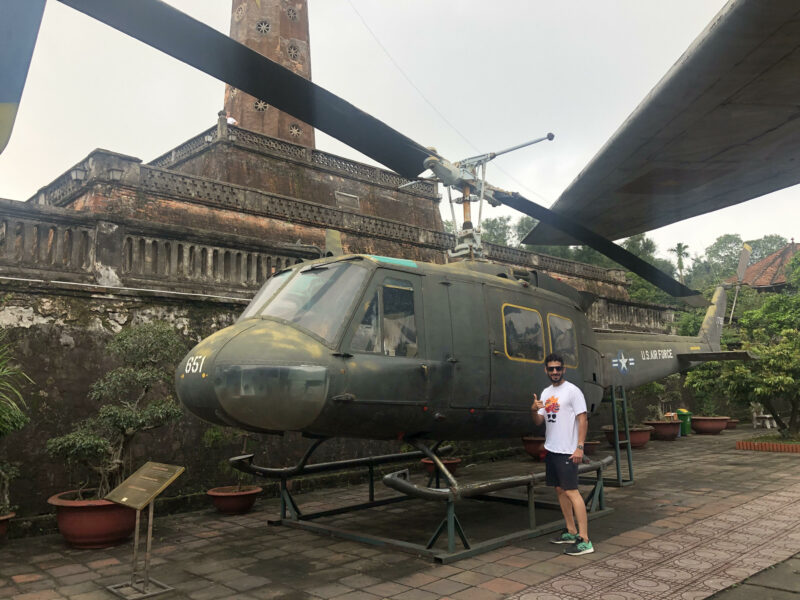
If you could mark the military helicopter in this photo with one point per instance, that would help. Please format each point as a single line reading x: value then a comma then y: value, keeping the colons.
x: 387, y: 348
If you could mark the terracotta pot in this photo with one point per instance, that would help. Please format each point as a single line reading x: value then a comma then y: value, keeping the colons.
x: 450, y: 463
x: 732, y: 423
x: 640, y: 435
x: 92, y: 523
x: 4, y: 519
x: 590, y: 447
x: 534, y: 445
x: 709, y: 425
x: 664, y: 430
x: 233, y: 499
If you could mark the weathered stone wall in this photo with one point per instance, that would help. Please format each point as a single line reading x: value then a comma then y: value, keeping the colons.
x: 248, y: 159
x: 619, y: 315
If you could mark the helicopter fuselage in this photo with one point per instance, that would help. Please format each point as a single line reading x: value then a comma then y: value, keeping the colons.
x: 381, y: 348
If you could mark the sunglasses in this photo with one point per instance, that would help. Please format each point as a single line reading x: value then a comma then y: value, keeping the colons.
x: 554, y: 368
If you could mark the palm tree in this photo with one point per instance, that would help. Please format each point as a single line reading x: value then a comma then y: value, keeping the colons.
x: 680, y: 251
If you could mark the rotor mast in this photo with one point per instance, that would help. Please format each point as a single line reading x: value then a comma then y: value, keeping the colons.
x: 463, y: 176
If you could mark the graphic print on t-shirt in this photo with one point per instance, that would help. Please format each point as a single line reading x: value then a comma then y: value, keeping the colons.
x: 551, y: 408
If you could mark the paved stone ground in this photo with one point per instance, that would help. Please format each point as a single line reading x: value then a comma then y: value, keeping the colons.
x: 702, y: 519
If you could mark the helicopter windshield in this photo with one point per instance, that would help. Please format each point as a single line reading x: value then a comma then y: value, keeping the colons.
x: 268, y: 290
x: 318, y: 298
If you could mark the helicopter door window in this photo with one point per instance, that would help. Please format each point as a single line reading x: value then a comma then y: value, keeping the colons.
x: 562, y: 339
x: 399, y: 325
x: 367, y: 337
x: 524, y: 336
x: 388, y: 326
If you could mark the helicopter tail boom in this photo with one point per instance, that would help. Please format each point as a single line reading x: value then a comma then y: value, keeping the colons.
x: 633, y: 359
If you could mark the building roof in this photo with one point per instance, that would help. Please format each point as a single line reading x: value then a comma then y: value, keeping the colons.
x: 770, y: 272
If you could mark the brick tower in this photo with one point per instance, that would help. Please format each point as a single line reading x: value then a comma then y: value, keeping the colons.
x: 278, y: 29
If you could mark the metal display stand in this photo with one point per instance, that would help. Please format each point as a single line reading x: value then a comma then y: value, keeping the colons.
x: 619, y: 481
x: 139, y: 491
x: 452, y: 494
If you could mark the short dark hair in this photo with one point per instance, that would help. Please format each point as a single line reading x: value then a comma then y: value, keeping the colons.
x: 553, y: 357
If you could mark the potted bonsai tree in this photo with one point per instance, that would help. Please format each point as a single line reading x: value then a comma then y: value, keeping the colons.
x: 663, y: 428
x: 11, y: 419
x: 231, y: 499
x: 133, y: 398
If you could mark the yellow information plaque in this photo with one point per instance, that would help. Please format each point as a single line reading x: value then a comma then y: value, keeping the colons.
x: 138, y: 490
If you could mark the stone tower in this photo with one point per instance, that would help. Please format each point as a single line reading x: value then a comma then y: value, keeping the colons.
x: 278, y: 29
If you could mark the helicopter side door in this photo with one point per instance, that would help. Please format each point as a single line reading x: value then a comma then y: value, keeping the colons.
x: 386, y: 342
x: 470, y: 352
x: 517, y: 348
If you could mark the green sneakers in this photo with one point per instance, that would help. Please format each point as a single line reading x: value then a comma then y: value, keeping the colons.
x: 579, y: 547
x: 565, y: 537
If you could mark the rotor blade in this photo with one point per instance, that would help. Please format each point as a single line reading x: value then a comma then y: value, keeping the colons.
x: 613, y: 251
x: 194, y: 43
x: 18, y: 30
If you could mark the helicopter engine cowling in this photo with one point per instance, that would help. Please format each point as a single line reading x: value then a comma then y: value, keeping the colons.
x: 260, y: 375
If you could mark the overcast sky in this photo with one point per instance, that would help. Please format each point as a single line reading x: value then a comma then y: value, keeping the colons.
x: 493, y: 74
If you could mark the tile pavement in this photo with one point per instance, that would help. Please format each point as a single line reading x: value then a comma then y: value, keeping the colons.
x: 701, y: 518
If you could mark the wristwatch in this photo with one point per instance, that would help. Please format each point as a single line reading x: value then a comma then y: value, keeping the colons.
x: 580, y: 446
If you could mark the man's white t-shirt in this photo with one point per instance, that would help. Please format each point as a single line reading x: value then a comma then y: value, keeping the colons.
x: 562, y: 404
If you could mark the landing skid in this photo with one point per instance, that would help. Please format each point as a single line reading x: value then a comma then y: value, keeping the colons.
x: 452, y: 495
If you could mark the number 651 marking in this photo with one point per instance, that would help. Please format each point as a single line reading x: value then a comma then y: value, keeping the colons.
x: 194, y: 364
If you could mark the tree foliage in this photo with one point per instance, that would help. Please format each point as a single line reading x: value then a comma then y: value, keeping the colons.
x: 723, y: 255
x: 772, y: 333
x: 132, y: 398
x: 12, y: 403
x: 763, y: 247
x: 12, y: 415
x: 497, y: 230
x: 793, y: 272
x: 681, y: 252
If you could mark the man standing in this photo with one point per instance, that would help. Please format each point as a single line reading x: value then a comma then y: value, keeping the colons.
x: 563, y: 409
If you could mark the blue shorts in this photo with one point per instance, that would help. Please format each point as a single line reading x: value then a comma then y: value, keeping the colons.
x: 560, y: 471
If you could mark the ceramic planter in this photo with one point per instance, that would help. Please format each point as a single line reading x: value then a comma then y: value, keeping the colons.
x: 92, y: 523
x: 590, y: 447
x: 534, y: 446
x: 664, y: 430
x: 234, y: 499
x: 640, y: 435
x: 732, y: 423
x: 709, y: 425
x: 4, y: 519
x: 450, y: 463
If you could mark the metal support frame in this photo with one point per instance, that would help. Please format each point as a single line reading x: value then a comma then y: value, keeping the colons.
x: 141, y: 585
x: 291, y: 515
x: 619, y: 481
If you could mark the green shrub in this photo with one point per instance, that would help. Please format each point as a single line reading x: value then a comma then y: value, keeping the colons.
x: 133, y: 398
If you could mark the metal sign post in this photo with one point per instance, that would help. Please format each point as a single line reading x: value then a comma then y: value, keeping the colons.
x: 139, y: 491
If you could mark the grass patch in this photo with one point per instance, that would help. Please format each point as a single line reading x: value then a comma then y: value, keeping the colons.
x: 775, y: 438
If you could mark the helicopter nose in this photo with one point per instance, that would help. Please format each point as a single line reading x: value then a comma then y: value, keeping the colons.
x: 259, y: 376
x: 193, y: 376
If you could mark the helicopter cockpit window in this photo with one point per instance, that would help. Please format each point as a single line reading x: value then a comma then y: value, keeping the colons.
x: 523, y: 333
x: 272, y: 285
x: 562, y: 339
x: 388, y: 326
x: 318, y: 298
